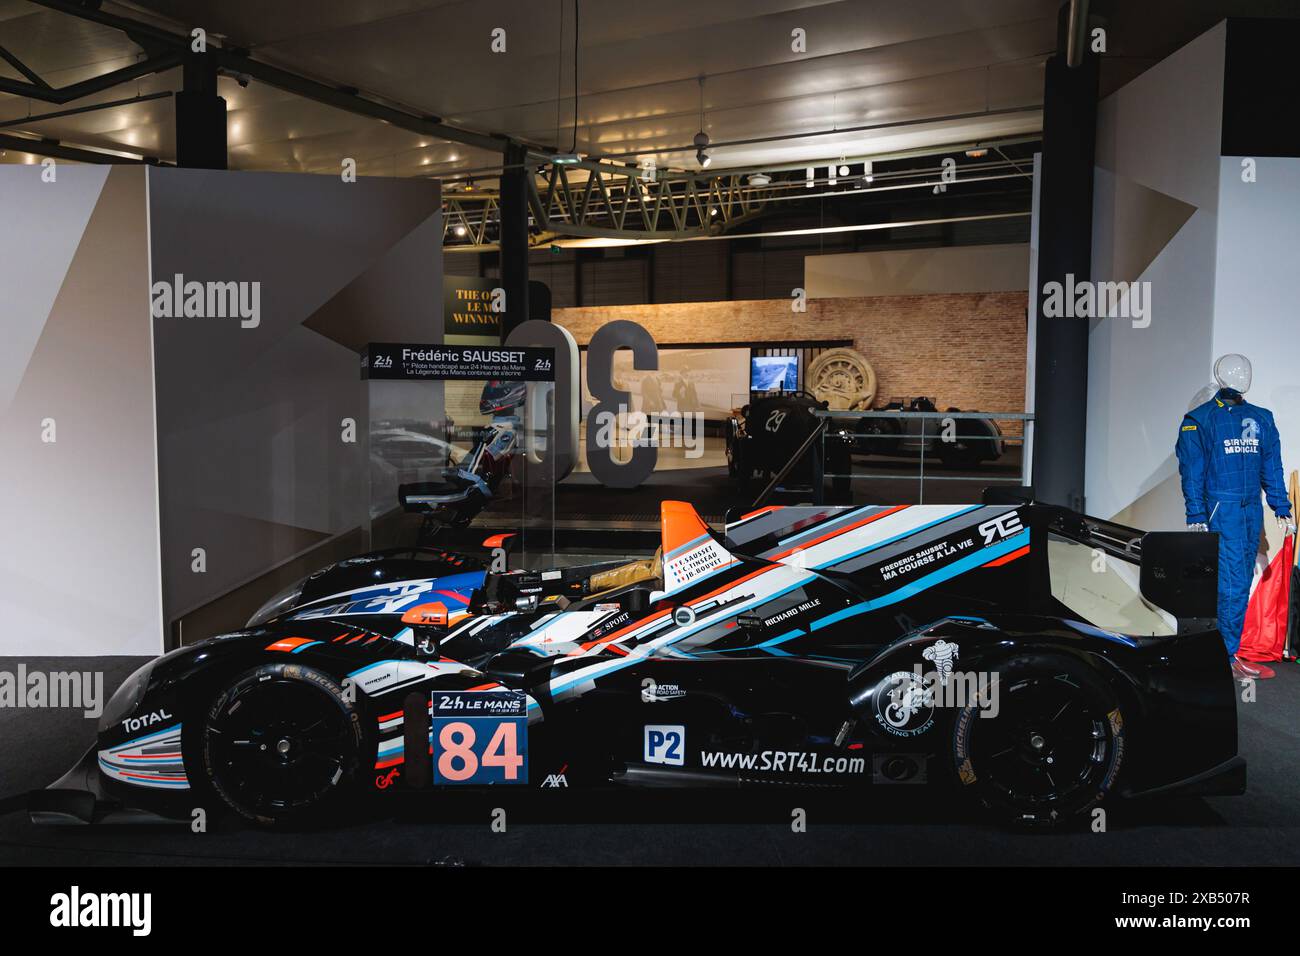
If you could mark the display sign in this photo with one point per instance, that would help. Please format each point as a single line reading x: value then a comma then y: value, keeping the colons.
x: 413, y: 362
x: 480, y: 737
x: 476, y: 306
x: 468, y: 306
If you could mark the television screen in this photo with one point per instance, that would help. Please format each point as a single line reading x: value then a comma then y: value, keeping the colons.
x: 770, y: 373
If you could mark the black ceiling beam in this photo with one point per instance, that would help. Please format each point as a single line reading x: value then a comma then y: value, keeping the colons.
x: 347, y: 99
x: 96, y: 84
x: 55, y: 149
x: 78, y: 110
x: 21, y: 67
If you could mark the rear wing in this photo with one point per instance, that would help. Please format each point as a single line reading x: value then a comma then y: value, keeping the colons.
x: 1179, y: 569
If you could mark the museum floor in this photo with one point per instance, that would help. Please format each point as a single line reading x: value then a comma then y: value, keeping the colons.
x: 556, y: 827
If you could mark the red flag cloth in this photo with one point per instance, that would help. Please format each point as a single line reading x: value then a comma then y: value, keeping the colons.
x: 1264, y: 633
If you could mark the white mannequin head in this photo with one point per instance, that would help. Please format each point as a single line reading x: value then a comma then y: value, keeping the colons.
x: 1233, y: 371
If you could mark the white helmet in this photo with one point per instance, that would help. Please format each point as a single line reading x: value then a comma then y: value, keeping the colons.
x: 1233, y: 371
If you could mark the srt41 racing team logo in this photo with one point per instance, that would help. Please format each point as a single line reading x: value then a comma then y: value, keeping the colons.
x: 904, y: 702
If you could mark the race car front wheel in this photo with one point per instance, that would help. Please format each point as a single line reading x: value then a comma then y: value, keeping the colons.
x: 1043, y: 743
x: 282, y: 744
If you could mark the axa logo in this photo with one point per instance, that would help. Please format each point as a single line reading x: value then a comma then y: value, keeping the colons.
x: 132, y: 724
x: 555, y: 781
x: 1001, y: 527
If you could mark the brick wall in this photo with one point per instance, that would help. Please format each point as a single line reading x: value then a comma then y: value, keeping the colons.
x: 964, y: 349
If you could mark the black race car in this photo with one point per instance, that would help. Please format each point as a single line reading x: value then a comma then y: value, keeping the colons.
x: 763, y: 437
x: 1020, y: 654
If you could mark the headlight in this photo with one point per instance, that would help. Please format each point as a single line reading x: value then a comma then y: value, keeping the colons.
x: 278, y: 604
x: 127, y: 697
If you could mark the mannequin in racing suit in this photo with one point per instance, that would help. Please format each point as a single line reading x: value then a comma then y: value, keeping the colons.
x: 1228, y: 450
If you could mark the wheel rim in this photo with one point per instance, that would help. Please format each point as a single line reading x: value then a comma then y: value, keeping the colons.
x: 278, y: 746
x: 1049, y: 743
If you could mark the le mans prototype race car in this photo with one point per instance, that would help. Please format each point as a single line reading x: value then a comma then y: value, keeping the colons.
x: 1020, y: 654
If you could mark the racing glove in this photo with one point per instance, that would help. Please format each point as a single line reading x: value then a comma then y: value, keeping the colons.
x: 1287, y: 524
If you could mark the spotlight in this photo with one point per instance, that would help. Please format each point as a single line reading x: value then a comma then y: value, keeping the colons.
x: 866, y: 172
x: 460, y: 230
x: 701, y: 144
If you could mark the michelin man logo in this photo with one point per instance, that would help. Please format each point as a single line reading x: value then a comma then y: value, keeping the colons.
x: 942, y: 654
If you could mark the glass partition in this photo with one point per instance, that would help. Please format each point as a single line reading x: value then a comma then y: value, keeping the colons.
x: 460, y: 451
x: 916, y: 454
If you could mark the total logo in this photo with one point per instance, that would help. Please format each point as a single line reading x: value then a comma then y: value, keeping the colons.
x: 132, y: 724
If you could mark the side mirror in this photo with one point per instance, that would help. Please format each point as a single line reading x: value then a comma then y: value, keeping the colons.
x: 426, y: 621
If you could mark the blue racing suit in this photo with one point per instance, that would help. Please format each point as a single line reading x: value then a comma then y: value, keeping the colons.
x: 1226, y: 454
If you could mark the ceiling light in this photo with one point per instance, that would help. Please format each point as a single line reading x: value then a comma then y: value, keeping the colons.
x: 759, y: 179
x: 460, y: 230
x: 866, y: 172
x: 701, y: 138
x: 976, y: 153
x: 566, y: 159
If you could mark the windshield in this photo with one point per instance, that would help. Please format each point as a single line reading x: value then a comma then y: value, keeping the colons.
x: 1103, y: 589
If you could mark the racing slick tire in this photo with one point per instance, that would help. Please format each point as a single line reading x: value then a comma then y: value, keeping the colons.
x: 1054, y: 749
x: 282, y: 745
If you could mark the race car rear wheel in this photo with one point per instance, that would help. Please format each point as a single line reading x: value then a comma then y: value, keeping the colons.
x: 1043, y: 744
x: 282, y: 744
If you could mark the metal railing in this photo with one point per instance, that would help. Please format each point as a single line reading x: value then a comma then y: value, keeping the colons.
x: 945, y: 446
